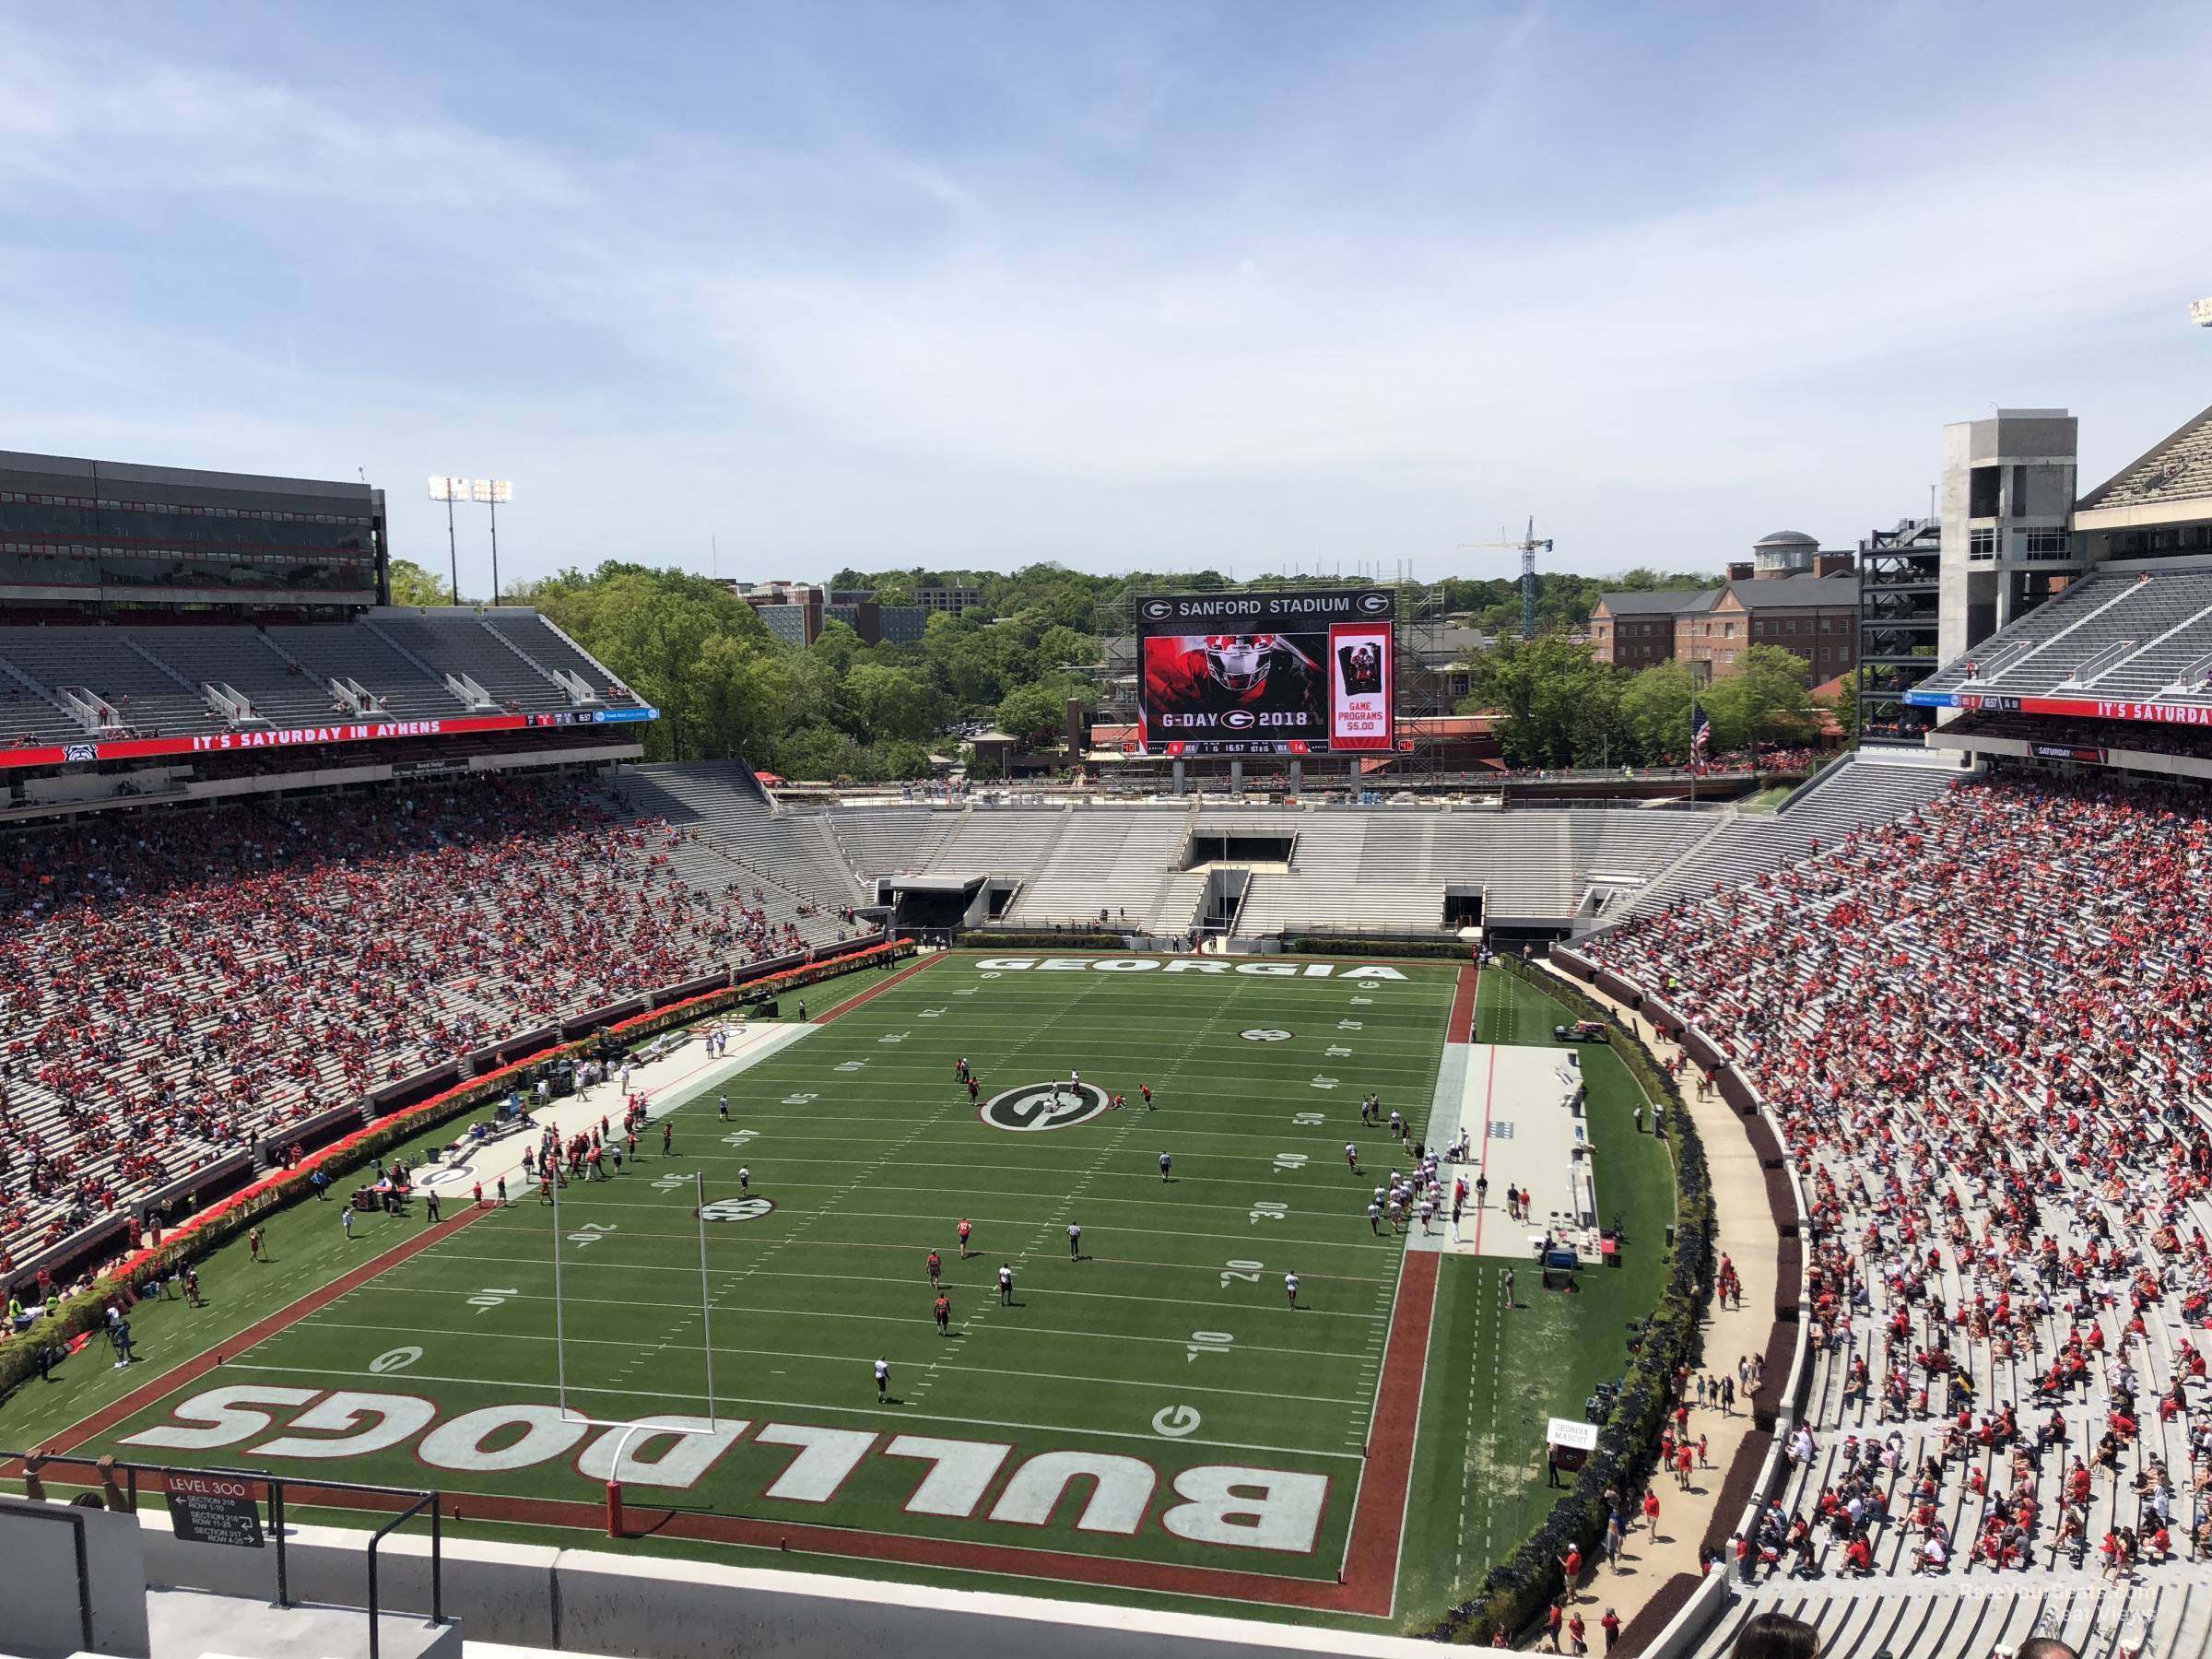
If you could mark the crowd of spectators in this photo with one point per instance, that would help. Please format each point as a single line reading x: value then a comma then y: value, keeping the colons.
x: 1986, y: 1032
x: 176, y: 985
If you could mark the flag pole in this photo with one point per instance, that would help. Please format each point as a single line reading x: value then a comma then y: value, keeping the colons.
x: 1693, y: 740
x: 706, y: 1316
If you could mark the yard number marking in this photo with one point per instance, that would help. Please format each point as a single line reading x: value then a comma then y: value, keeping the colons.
x: 1247, y: 1271
x: 736, y: 1137
x: 1267, y: 1209
x: 801, y: 1100
x: 1207, y: 1342
x: 1290, y: 1161
x: 1308, y: 1120
x: 491, y: 1297
x: 592, y: 1232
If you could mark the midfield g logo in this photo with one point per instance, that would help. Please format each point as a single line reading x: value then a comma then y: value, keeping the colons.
x: 1041, y: 1106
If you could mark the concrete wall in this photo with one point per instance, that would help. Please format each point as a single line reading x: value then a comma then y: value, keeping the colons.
x: 39, y: 1614
x: 622, y: 1605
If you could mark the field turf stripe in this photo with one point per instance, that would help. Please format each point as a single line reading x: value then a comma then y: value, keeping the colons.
x: 850, y: 1004
x: 199, y: 1365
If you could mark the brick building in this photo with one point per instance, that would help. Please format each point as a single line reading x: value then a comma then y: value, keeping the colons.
x: 1788, y: 593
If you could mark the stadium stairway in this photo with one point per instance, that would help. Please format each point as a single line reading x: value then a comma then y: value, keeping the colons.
x: 1952, y: 1618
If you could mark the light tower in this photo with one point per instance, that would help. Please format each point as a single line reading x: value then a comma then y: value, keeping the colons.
x: 494, y: 493
x: 450, y: 490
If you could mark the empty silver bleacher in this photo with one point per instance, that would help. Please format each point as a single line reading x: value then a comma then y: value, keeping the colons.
x: 243, y: 659
x: 460, y: 644
x: 101, y: 660
x: 2159, y: 623
x: 371, y: 662
x: 724, y: 803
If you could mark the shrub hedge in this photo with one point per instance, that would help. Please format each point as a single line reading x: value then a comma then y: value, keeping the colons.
x: 1352, y: 945
x: 200, y: 1234
x: 979, y: 939
x: 1518, y: 1588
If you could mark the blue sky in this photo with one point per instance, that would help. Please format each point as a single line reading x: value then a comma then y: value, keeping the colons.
x: 1127, y: 285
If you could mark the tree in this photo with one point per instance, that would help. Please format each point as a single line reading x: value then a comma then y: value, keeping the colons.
x: 1844, y: 704
x: 411, y: 585
x: 1765, y: 700
x: 1654, y: 709
x: 1035, y: 714
x: 895, y: 704
x: 1556, y: 704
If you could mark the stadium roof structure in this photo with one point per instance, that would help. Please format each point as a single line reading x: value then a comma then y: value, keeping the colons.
x: 2177, y: 468
x: 2116, y: 644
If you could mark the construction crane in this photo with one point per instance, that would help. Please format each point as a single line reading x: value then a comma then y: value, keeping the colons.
x: 1526, y: 546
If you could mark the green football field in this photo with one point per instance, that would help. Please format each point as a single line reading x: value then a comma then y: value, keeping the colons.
x: 1149, y: 1419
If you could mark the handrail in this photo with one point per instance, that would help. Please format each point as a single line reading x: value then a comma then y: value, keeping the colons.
x: 437, y: 1587
x: 276, y: 1487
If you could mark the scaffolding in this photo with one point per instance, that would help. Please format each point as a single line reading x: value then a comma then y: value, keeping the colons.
x: 1899, y: 609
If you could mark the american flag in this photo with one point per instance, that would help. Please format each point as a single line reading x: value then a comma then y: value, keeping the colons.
x: 1700, y: 731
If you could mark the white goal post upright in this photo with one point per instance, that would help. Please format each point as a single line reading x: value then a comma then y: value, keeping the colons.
x: 706, y: 1310
x: 560, y: 1334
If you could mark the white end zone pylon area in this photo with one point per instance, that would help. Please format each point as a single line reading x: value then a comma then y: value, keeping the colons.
x: 1523, y: 1114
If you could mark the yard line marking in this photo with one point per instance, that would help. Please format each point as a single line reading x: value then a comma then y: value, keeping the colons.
x: 905, y: 1250
x: 851, y: 1278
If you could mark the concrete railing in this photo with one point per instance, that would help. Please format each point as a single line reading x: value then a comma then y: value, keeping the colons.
x: 1793, y: 1226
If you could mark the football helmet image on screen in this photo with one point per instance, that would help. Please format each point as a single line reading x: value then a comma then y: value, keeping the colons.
x: 1213, y: 686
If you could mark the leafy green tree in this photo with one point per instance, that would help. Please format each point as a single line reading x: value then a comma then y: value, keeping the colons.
x: 1063, y: 647
x: 1037, y: 713
x: 1844, y: 704
x: 895, y: 704
x: 1654, y: 708
x: 1765, y: 700
x: 1557, y: 705
x: 411, y: 585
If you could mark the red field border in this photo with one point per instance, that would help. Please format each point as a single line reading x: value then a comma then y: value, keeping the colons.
x: 1461, y: 1027
x: 1368, y: 1584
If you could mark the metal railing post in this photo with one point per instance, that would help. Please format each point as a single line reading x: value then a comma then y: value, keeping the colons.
x: 414, y: 1509
x: 276, y: 1525
x: 437, y: 1558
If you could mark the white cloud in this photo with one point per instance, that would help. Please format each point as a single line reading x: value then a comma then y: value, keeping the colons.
x: 1125, y: 352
